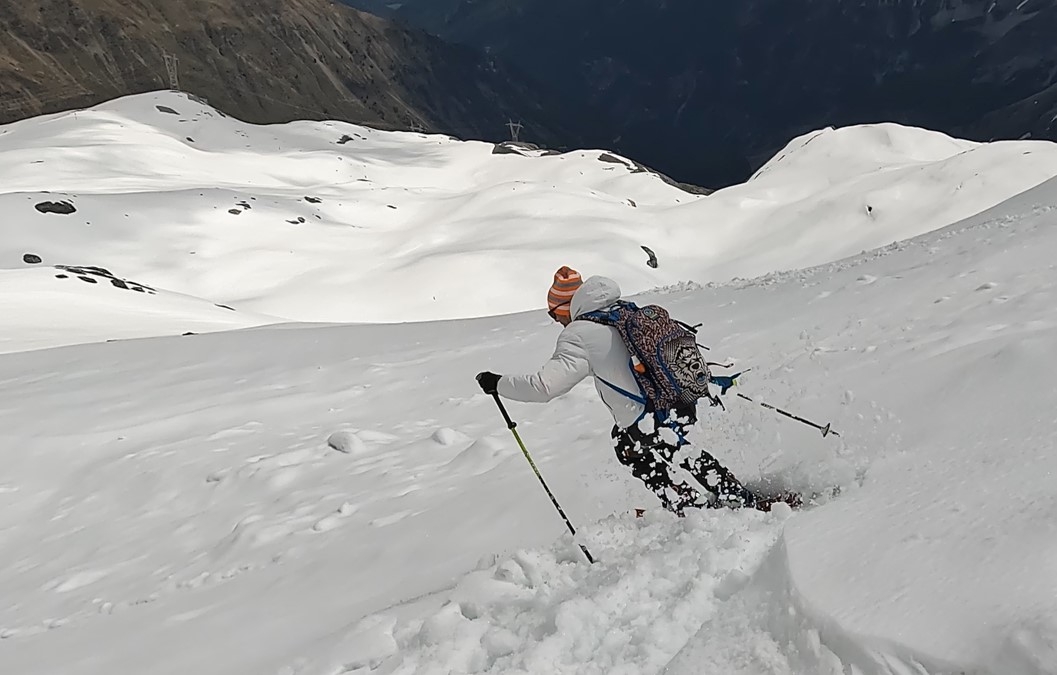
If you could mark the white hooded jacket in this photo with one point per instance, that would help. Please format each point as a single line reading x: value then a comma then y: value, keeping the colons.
x: 584, y: 348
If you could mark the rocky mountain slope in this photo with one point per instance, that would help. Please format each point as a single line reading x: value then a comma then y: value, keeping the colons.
x: 270, y: 61
x: 707, y: 90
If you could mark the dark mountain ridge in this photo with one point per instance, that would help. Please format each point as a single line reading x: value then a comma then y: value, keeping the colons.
x: 707, y: 89
x: 272, y: 61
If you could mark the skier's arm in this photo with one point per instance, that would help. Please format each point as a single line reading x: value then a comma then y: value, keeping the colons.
x: 560, y: 374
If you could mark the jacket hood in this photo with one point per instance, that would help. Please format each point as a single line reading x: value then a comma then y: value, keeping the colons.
x: 596, y: 293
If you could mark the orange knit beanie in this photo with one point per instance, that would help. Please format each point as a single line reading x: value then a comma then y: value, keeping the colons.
x: 566, y: 282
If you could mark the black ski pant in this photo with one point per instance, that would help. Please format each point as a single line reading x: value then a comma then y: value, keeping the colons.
x: 650, y: 456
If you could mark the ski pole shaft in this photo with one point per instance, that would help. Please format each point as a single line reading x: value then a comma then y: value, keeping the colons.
x: 826, y: 430
x: 512, y: 425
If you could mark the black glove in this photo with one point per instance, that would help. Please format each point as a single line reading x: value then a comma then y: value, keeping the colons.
x: 489, y: 382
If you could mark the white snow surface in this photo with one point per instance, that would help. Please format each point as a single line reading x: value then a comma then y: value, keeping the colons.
x: 276, y: 497
x: 288, y: 221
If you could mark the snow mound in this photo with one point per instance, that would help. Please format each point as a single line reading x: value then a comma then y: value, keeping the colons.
x: 332, y: 222
x: 448, y: 436
x: 861, y: 149
x: 480, y: 457
x: 837, y: 193
x: 349, y: 442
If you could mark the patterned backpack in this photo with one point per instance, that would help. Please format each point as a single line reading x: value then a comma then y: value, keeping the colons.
x: 665, y: 358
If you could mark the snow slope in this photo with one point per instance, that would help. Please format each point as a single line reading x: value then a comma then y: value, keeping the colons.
x: 328, y: 221
x: 324, y: 499
x: 51, y: 306
x: 189, y: 498
x: 943, y: 559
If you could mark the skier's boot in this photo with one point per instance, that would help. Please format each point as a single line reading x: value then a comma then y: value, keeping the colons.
x: 765, y: 502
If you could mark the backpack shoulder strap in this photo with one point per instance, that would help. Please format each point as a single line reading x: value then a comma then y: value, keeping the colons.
x: 637, y: 398
x: 607, y: 315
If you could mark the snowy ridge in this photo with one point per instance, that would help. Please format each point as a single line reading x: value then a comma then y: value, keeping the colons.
x: 863, y: 149
x: 327, y: 222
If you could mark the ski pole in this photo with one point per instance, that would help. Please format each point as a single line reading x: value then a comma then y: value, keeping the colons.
x: 692, y: 329
x: 512, y: 425
x: 826, y: 430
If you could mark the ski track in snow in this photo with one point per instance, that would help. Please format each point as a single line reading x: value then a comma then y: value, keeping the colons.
x: 544, y: 610
x: 326, y: 499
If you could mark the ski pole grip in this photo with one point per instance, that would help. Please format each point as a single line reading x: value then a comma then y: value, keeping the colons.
x: 510, y: 424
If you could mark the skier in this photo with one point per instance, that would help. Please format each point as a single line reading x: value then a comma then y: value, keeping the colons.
x: 646, y: 441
